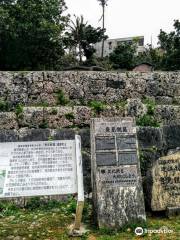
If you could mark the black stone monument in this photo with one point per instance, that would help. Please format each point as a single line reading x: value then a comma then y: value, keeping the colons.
x: 116, y: 177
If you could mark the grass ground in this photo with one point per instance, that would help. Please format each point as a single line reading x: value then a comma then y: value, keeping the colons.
x: 50, y: 221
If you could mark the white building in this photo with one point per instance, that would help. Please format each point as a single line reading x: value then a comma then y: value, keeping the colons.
x: 111, y: 44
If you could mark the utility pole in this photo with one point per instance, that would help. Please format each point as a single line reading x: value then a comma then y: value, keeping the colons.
x: 102, y: 52
x: 103, y: 3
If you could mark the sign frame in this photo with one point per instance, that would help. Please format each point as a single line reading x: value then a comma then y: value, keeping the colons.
x: 78, y: 182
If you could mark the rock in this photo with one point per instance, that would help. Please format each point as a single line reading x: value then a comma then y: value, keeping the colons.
x: 8, y: 120
x: 135, y: 108
x: 166, y: 183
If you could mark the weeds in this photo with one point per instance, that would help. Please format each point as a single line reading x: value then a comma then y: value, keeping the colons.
x: 61, y: 98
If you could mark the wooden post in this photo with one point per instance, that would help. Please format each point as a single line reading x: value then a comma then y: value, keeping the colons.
x: 76, y: 231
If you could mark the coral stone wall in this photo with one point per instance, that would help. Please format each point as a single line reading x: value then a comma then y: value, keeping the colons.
x: 38, y: 106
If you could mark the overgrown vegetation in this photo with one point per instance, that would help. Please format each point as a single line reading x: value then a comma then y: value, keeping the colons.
x: 61, y: 98
x: 148, y: 119
x: 44, y: 124
x: 70, y: 116
x: 49, y: 219
x: 121, y: 104
x: 4, y: 106
x: 19, y: 110
x: 97, y: 106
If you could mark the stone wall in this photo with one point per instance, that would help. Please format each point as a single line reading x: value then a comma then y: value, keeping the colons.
x: 31, y: 88
x: 122, y: 93
x: 30, y: 109
x: 153, y: 143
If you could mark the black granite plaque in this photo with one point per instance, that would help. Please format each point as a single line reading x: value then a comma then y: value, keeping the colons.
x: 127, y: 158
x: 106, y: 159
x: 125, y: 176
x: 128, y: 142
x: 105, y: 143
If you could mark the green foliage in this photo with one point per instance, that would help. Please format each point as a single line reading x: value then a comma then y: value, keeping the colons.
x: 147, y: 120
x: 61, y: 98
x: 150, y: 104
x: 103, y: 63
x: 4, y: 106
x: 82, y: 36
x: 170, y: 44
x: 19, y: 110
x: 67, y: 207
x: 44, y: 124
x: 7, y: 209
x: 54, y: 111
x: 97, y: 106
x: 123, y: 56
x: 44, y: 104
x: 121, y: 104
x: 103, y: 2
x: 31, y: 34
x: 67, y: 61
x: 70, y: 116
x: 150, y: 55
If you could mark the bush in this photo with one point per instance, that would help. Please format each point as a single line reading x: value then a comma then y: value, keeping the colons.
x: 4, y: 106
x: 61, y: 99
x: 97, y: 106
x: 44, y: 124
x: 147, y: 120
x: 19, y: 110
x: 69, y: 116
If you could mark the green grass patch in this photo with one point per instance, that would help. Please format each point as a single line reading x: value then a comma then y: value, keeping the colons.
x: 42, y: 219
x: 4, y: 106
x: 61, y: 98
x: 70, y: 116
x: 97, y: 106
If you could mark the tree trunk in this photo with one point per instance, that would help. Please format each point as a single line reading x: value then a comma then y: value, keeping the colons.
x: 80, y: 54
x: 102, y: 53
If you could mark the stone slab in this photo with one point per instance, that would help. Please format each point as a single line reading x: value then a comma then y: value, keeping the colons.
x: 166, y: 183
x: 116, y: 178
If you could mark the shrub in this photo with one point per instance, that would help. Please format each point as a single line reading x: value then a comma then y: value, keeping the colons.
x: 151, y: 105
x: 54, y: 111
x: 4, y: 106
x: 61, y: 99
x: 147, y: 120
x: 70, y: 116
x: 97, y: 106
x: 44, y: 124
x: 19, y: 110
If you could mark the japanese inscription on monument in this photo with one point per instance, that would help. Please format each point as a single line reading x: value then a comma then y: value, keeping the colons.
x: 37, y: 168
x: 166, y: 183
x: 116, y: 178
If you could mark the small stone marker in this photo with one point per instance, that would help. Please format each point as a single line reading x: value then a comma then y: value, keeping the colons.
x: 116, y: 178
x: 166, y: 183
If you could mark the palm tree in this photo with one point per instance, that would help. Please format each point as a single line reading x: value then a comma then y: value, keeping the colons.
x: 77, y: 32
x: 103, y: 3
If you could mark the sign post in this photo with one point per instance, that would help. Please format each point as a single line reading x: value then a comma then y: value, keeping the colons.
x: 116, y: 177
x: 80, y: 201
x: 42, y: 168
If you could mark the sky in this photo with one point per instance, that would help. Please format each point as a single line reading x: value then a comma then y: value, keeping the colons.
x: 126, y: 18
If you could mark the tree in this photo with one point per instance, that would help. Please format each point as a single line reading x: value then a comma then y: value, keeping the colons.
x: 170, y: 44
x: 103, y: 3
x: 82, y: 36
x: 150, y: 55
x: 123, y: 56
x: 31, y: 34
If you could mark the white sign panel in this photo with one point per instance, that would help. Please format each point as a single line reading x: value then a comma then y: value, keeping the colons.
x: 38, y: 168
